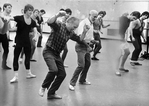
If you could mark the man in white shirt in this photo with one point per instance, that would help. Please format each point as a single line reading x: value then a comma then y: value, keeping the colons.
x: 84, y: 58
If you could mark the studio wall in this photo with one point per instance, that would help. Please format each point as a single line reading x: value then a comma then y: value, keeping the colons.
x: 81, y: 8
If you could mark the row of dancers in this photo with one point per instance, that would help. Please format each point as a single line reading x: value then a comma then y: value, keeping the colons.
x: 86, y: 34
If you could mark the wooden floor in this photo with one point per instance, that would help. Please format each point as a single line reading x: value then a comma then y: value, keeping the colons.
x: 106, y: 89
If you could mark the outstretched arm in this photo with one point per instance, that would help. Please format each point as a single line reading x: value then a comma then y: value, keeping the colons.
x: 104, y: 26
x: 54, y: 18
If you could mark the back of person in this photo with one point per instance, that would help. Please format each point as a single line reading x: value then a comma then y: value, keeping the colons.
x: 123, y: 25
x: 138, y: 30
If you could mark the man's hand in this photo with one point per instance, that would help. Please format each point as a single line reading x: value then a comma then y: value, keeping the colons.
x: 86, y: 28
x: 94, y: 41
x: 133, y: 39
x: 61, y: 13
x: 5, y: 19
x: 89, y: 49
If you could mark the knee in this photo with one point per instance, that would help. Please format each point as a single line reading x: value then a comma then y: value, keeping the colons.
x: 127, y: 52
x: 139, y: 49
x: 62, y: 76
x: 88, y: 64
x: 81, y: 67
x: 55, y: 70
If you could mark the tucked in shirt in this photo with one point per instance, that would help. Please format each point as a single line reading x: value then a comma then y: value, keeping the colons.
x: 89, y: 34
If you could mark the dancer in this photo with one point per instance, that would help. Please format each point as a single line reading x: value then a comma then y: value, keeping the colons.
x: 98, y: 23
x: 84, y: 59
x: 24, y: 25
x: 124, y: 22
x: 5, y: 25
x: 31, y: 35
x: 39, y: 28
x: 60, y: 34
x: 136, y: 31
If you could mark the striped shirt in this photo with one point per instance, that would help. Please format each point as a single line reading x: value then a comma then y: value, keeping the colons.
x: 59, y: 37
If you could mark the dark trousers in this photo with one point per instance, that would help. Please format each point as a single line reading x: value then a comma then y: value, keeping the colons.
x: 56, y: 73
x: 138, y: 48
x: 40, y: 37
x: 97, y: 45
x: 17, y: 51
x: 33, y: 47
x: 5, y: 45
x: 65, y: 51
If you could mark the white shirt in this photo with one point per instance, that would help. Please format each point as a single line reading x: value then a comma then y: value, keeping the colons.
x: 89, y: 34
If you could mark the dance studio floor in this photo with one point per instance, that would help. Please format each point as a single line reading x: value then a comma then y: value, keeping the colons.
x: 106, y: 89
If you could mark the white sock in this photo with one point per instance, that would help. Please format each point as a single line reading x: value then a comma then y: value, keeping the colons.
x: 28, y: 71
x: 16, y: 73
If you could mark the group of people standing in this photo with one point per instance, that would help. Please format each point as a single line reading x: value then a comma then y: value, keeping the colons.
x: 86, y: 34
x: 131, y: 26
x: 28, y: 29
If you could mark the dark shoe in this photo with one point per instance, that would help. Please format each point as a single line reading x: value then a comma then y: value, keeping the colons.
x: 138, y: 64
x: 124, y: 70
x: 85, y: 83
x: 132, y: 63
x: 6, y: 67
x: 94, y: 58
x: 33, y: 60
x: 55, y: 96
x: 39, y: 46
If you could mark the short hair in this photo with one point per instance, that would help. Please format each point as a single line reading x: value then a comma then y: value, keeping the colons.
x: 136, y: 14
x: 62, y: 9
x: 93, y: 12
x: 145, y: 13
x: 28, y: 7
x: 5, y: 5
x: 36, y: 10
x: 102, y: 12
x: 68, y: 11
x: 125, y: 14
x: 72, y: 19
x: 42, y: 11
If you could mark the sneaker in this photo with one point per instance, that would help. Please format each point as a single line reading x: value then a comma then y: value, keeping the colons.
x: 118, y: 73
x: 6, y: 67
x: 94, y: 58
x: 14, y: 80
x: 41, y: 91
x: 30, y: 75
x: 55, y: 96
x: 85, y: 83
x: 124, y: 70
x: 132, y: 63
x: 71, y: 88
